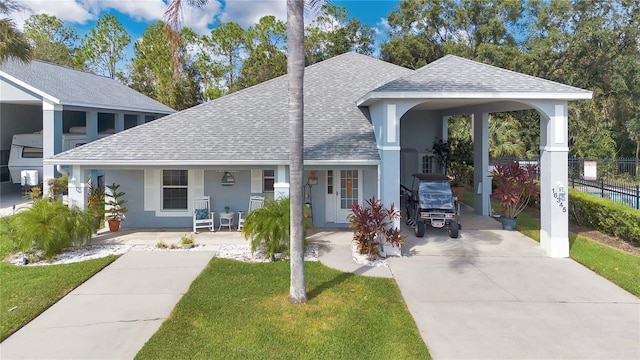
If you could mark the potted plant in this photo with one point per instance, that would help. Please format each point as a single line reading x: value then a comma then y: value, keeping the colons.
x: 95, y: 204
x: 116, y: 207
x: 460, y: 175
x: 515, y: 186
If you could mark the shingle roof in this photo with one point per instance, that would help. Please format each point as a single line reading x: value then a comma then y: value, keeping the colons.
x: 78, y: 88
x: 252, y: 124
x: 453, y: 74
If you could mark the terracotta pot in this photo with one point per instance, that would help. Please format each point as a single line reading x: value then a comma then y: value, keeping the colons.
x: 459, y: 190
x: 114, y: 225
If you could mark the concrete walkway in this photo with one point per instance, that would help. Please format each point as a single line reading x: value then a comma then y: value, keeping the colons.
x: 114, y: 313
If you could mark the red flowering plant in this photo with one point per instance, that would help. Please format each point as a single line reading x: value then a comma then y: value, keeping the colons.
x: 516, y: 186
x: 372, y: 224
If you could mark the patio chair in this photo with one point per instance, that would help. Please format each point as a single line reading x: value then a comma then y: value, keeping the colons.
x: 202, y: 214
x: 255, y: 202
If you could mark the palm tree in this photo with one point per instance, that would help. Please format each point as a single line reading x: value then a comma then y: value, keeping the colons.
x: 295, y: 70
x: 13, y: 43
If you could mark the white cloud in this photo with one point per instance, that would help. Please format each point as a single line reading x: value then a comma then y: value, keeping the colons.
x: 138, y: 10
x: 382, y: 27
x: 247, y: 13
x: 67, y: 10
x: 200, y: 20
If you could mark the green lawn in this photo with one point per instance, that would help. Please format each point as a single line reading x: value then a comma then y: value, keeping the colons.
x: 618, y: 266
x: 25, y: 292
x: 33, y: 289
x: 240, y: 310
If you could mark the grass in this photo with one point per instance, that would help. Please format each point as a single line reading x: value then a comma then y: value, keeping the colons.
x: 239, y: 310
x: 31, y: 290
x: 25, y: 292
x: 615, y: 265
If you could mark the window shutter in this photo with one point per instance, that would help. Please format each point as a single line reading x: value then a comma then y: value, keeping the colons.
x: 198, y: 182
x: 150, y: 187
x: 256, y: 181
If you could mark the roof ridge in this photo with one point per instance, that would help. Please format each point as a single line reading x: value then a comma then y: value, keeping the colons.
x: 73, y: 69
x: 499, y: 69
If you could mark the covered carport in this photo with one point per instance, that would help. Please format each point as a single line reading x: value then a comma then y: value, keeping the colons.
x: 457, y: 86
x: 40, y: 96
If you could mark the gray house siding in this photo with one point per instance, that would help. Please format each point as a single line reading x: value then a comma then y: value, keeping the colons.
x: 418, y: 130
x: 132, y: 182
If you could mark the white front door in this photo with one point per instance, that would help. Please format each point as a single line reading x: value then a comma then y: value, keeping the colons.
x: 344, y: 187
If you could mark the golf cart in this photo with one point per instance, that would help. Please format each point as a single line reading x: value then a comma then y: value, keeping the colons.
x: 432, y: 201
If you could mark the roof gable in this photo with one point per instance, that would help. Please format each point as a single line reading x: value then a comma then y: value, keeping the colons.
x: 452, y: 74
x: 68, y: 86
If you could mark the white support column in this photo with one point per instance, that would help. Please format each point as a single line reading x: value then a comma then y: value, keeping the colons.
x: 445, y: 128
x: 481, y: 179
x: 91, y: 123
x: 77, y: 187
x: 51, y: 139
x: 554, y: 177
x: 390, y: 165
x: 281, y: 185
x: 118, y: 122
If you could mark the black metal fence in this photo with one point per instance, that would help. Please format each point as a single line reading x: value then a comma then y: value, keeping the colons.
x: 617, y: 179
x: 620, y: 192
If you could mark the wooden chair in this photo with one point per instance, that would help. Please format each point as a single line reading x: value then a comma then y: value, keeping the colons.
x: 202, y: 214
x: 255, y: 202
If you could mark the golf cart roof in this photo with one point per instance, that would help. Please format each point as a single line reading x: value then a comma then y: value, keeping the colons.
x: 431, y: 177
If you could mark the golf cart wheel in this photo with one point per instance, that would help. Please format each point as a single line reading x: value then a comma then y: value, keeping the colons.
x: 454, y: 229
x: 420, y: 228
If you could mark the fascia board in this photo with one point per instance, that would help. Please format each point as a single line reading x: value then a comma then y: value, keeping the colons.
x: 28, y: 87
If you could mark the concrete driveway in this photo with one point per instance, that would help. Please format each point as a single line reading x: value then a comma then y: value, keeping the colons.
x: 493, y: 294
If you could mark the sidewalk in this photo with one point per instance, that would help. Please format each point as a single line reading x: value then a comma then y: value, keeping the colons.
x: 114, y: 313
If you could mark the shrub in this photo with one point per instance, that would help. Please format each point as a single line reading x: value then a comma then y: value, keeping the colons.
x: 58, y: 186
x: 50, y: 226
x: 372, y: 224
x: 516, y: 186
x: 161, y: 245
x: 605, y: 215
x: 269, y: 226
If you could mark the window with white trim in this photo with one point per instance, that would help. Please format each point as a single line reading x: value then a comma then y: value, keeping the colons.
x: 428, y: 162
x: 268, y: 179
x: 175, y: 189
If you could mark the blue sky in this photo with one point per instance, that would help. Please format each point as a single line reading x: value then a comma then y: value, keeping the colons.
x: 136, y: 15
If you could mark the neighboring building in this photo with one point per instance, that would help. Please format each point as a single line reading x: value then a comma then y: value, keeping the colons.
x: 368, y: 125
x: 53, y: 99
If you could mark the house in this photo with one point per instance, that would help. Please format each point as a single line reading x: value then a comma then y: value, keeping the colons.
x: 52, y: 100
x: 367, y: 125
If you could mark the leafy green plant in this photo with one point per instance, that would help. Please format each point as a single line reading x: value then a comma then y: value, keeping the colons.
x: 95, y: 203
x: 605, y: 215
x: 50, y: 226
x: 372, y: 224
x: 269, y: 226
x: 58, y: 186
x: 161, y: 245
x: 116, y: 203
x: 186, y: 241
x: 515, y: 187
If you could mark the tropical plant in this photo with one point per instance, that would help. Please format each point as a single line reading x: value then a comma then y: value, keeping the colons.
x: 13, y: 43
x: 115, y: 203
x: 50, y: 226
x: 516, y: 186
x: 269, y: 226
x: 372, y: 225
x: 95, y: 203
x: 58, y: 186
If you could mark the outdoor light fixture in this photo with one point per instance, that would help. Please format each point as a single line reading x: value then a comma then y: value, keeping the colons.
x: 228, y: 179
x: 72, y: 182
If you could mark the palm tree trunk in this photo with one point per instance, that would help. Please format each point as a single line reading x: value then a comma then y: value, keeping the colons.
x: 295, y: 71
